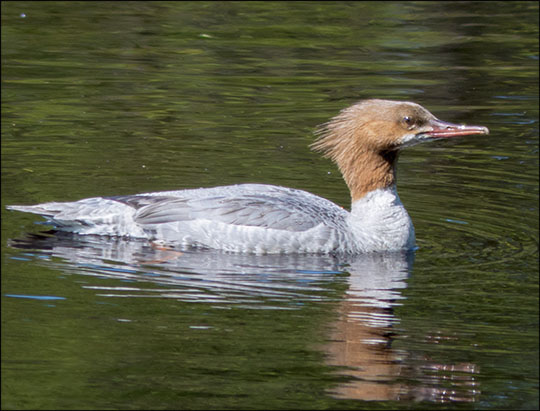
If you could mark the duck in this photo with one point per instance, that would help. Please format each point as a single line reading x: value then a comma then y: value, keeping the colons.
x: 364, y: 140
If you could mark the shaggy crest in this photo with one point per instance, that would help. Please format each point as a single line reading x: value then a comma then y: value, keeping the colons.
x: 358, y: 141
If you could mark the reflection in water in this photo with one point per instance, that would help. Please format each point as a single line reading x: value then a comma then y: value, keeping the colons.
x: 270, y: 281
x: 360, y: 344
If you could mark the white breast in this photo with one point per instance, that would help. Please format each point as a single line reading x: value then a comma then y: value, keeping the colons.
x: 379, y: 221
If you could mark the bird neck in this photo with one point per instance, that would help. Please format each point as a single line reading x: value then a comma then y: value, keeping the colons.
x: 368, y: 171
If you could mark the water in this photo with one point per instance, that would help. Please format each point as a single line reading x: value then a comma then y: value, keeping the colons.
x: 111, y: 99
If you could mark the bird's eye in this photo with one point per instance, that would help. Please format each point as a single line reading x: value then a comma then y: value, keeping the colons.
x: 409, y: 121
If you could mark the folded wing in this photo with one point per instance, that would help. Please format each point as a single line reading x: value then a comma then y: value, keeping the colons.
x: 282, y: 210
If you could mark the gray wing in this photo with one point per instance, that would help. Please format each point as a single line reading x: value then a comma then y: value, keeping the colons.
x: 287, y: 209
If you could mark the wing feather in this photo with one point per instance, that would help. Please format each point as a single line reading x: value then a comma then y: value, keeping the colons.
x: 285, y: 209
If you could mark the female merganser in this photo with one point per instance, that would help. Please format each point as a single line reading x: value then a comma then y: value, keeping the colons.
x: 364, y: 140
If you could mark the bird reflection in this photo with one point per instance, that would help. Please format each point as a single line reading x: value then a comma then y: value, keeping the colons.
x: 362, y: 337
x: 360, y: 345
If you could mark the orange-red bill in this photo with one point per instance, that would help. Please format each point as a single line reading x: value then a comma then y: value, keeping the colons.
x: 442, y: 129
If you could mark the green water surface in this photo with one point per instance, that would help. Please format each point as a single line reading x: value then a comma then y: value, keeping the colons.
x: 111, y: 98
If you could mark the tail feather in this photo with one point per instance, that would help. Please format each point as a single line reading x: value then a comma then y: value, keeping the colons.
x: 95, y: 215
x: 46, y: 210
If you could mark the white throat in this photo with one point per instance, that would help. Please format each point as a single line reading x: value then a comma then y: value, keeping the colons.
x: 379, y: 221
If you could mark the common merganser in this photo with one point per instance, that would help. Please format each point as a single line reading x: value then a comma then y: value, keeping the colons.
x: 363, y: 140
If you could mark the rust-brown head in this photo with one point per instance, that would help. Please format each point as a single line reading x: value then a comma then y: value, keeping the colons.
x: 365, y: 138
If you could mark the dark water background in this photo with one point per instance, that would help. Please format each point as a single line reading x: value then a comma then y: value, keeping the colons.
x: 110, y: 98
